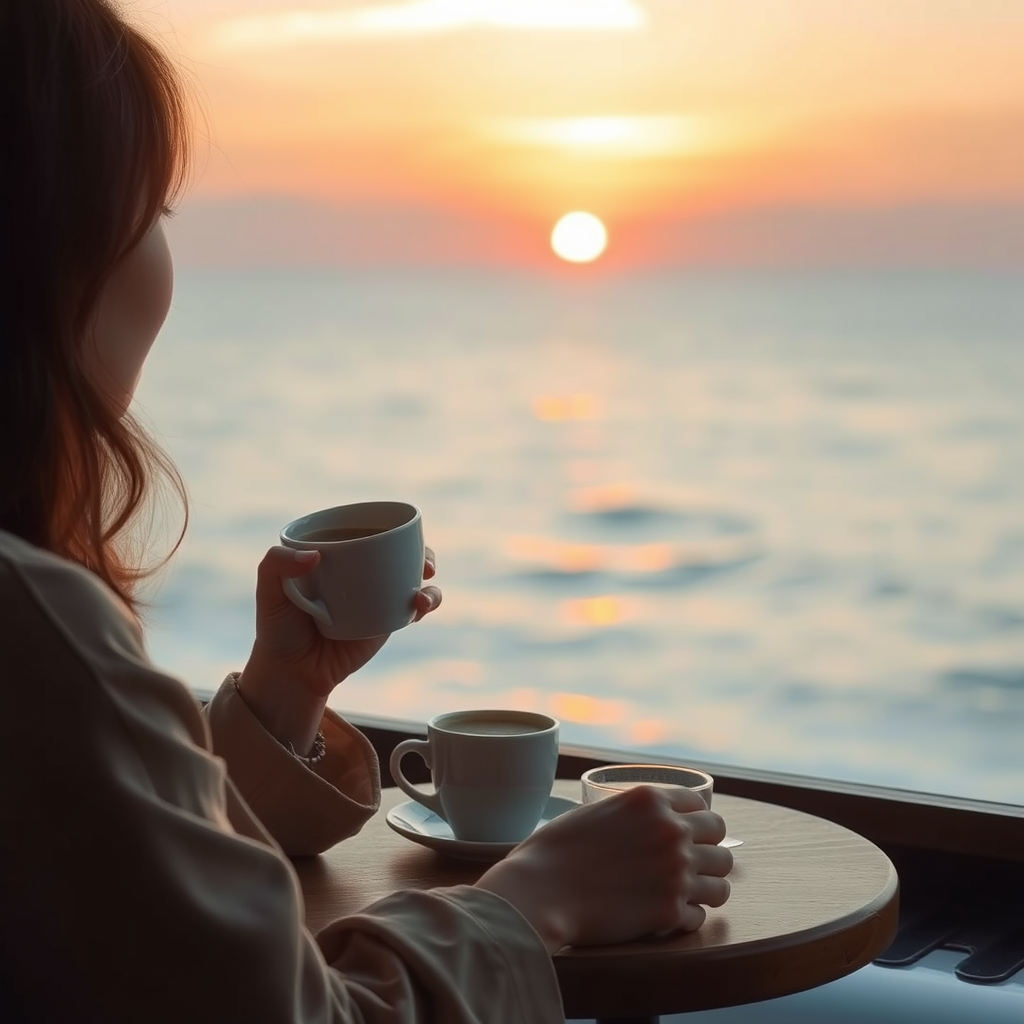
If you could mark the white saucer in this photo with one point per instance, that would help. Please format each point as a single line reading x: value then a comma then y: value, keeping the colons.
x: 423, y: 826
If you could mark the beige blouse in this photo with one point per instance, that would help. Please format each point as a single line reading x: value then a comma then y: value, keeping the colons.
x: 139, y: 880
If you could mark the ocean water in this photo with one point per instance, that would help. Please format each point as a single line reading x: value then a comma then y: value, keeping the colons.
x: 774, y: 521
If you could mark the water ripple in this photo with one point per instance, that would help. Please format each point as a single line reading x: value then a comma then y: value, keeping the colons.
x: 547, y: 561
x: 1010, y: 680
x: 688, y: 574
x: 608, y: 640
x: 678, y: 523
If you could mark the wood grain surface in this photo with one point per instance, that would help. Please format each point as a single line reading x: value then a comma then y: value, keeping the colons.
x: 811, y: 901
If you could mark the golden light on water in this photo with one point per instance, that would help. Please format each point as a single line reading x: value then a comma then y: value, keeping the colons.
x: 553, y: 408
x: 595, y: 611
x: 573, y: 557
x: 604, y: 498
x: 579, y: 237
x: 649, y: 558
x: 646, y: 732
x: 580, y: 707
x: 563, y: 557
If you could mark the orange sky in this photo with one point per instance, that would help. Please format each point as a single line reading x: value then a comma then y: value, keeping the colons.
x: 510, y: 112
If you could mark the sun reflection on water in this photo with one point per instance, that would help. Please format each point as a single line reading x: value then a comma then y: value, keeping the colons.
x: 610, y: 496
x: 555, y: 408
x: 646, y: 732
x: 587, y: 710
x: 596, y: 611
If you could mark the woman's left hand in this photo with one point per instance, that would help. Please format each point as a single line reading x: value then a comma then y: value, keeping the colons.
x: 293, y: 668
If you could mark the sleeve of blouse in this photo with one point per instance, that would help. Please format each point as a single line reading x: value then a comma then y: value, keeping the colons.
x: 130, y: 894
x: 468, y: 956
x: 305, y: 810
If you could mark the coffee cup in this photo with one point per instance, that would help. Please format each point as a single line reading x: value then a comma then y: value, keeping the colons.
x: 599, y: 783
x: 492, y: 772
x: 370, y: 569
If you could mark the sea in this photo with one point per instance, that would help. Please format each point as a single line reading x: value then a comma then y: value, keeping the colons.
x: 768, y: 520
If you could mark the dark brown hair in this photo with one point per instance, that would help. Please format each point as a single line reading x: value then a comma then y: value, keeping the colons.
x: 95, y: 131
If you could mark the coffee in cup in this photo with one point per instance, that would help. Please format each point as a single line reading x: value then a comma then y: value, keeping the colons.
x: 370, y: 569
x: 492, y: 772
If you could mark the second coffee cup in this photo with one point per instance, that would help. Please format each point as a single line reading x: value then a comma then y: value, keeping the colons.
x: 492, y: 772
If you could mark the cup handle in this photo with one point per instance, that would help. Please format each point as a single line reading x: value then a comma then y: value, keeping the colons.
x: 316, y: 607
x: 421, y: 747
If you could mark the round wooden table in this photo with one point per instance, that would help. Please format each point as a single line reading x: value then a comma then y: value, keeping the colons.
x: 811, y: 902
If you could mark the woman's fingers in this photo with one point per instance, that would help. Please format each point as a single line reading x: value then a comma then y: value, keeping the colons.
x: 710, y: 891
x: 429, y: 597
x: 681, y: 799
x: 687, y: 911
x: 690, y: 917
x: 708, y: 827
x: 426, y: 601
x: 280, y: 563
x: 705, y: 826
x: 713, y: 860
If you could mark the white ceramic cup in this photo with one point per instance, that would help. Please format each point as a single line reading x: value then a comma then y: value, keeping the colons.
x: 492, y: 771
x: 371, y: 567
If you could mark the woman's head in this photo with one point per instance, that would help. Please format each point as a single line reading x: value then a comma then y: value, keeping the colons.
x: 95, y: 131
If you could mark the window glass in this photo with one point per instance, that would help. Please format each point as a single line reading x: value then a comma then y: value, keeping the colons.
x: 738, y: 476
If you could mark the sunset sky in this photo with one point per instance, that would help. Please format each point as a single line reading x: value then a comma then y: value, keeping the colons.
x: 739, y: 132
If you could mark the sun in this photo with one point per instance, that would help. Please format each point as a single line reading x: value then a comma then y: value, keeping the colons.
x: 579, y: 237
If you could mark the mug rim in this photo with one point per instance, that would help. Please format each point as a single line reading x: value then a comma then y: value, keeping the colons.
x: 308, y: 521
x: 587, y: 777
x: 548, y: 723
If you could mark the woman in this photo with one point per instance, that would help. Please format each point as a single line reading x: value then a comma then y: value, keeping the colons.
x: 143, y: 874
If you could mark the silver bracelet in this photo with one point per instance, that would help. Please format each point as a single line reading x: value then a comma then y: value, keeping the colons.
x: 317, y: 751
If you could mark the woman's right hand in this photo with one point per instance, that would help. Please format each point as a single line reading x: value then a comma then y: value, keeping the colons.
x: 640, y: 862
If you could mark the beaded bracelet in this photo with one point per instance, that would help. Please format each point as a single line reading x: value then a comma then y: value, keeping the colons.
x: 316, y: 753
